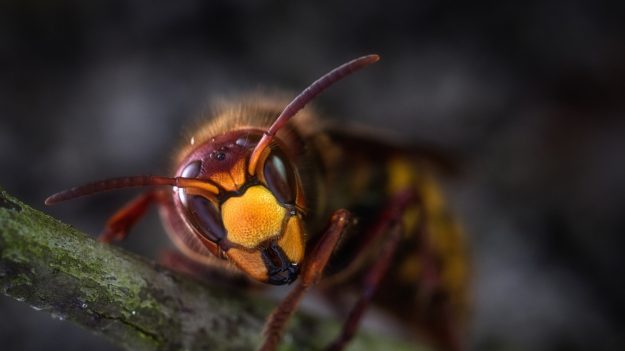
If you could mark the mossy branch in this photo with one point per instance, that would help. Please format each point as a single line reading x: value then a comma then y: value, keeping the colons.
x: 133, y: 302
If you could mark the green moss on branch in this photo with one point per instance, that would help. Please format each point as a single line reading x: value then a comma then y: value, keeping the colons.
x: 133, y: 302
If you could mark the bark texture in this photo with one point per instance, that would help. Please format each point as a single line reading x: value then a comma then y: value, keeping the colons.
x: 135, y: 303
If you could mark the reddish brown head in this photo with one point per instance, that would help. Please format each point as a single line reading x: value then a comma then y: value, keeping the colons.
x: 254, y: 220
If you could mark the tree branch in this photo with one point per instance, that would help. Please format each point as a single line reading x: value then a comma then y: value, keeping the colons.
x: 133, y: 302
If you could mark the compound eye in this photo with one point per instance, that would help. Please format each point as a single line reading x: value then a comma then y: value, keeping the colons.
x: 279, y: 177
x: 205, y: 217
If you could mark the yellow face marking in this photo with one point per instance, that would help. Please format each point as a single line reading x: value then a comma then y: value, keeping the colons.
x: 224, y: 180
x: 252, y: 218
x: 292, y: 242
x: 249, y: 262
x: 232, y: 179
x: 237, y: 172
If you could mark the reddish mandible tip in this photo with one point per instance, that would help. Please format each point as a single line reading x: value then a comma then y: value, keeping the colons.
x: 305, y: 97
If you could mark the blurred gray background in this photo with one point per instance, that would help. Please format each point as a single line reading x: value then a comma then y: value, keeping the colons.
x: 528, y: 95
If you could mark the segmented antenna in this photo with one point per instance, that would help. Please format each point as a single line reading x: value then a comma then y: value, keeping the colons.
x: 305, y: 97
x: 129, y: 182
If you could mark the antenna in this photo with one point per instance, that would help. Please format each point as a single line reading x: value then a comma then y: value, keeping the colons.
x: 129, y: 182
x: 305, y: 97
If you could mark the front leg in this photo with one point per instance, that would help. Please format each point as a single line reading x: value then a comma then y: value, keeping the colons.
x: 370, y: 285
x: 313, y: 268
x: 119, y: 224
